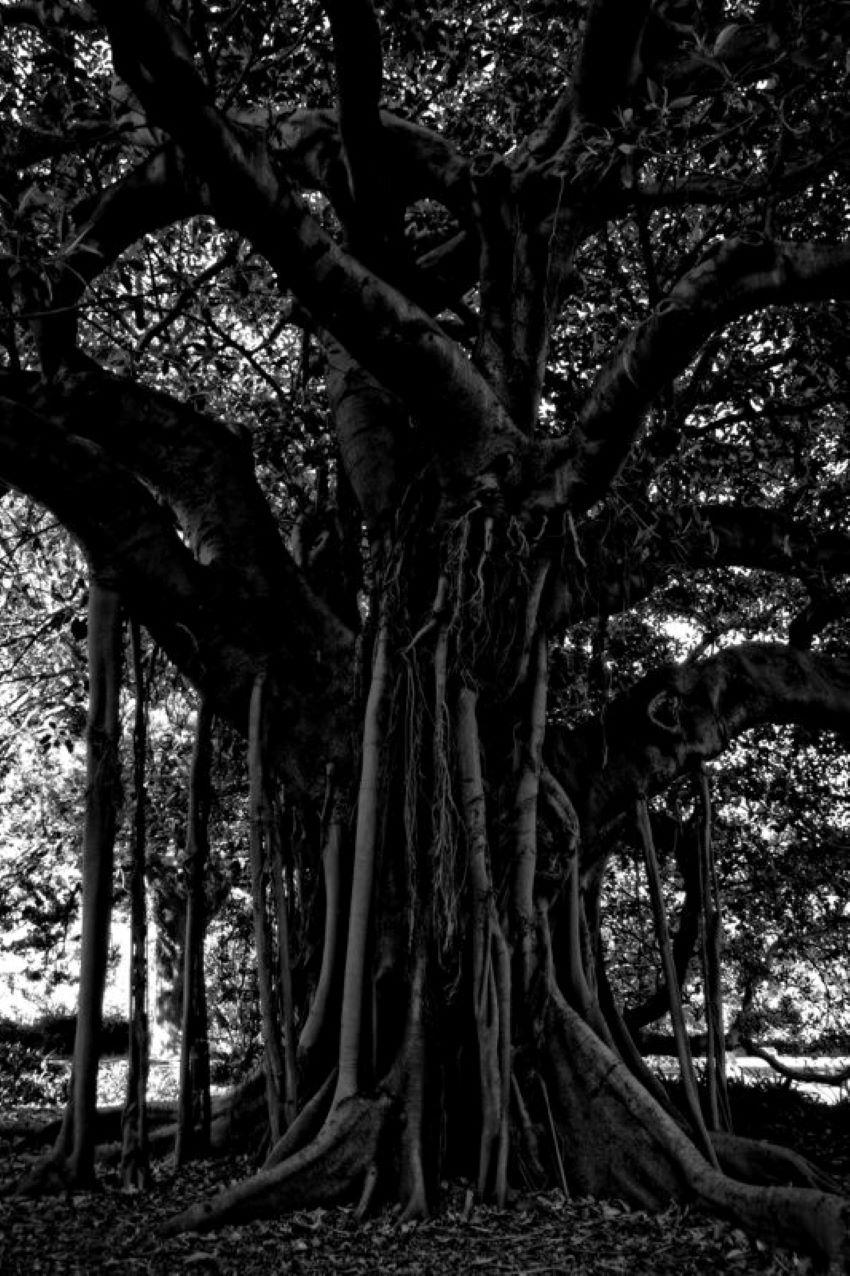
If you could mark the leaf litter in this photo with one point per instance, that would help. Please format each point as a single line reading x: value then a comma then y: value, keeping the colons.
x: 542, y: 1234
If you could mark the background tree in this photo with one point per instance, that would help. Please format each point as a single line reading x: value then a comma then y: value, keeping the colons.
x: 530, y: 249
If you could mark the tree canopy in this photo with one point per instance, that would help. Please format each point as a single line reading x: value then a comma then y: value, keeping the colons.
x: 457, y: 396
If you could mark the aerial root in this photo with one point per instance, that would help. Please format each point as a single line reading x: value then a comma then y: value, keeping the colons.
x: 330, y: 1168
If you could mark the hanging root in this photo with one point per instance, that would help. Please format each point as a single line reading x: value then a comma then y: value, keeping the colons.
x: 331, y: 1168
x: 622, y: 1141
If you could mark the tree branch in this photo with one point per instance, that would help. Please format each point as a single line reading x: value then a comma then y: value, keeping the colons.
x: 625, y: 562
x: 215, y: 625
x: 736, y: 277
x: 682, y: 714
x: 390, y: 336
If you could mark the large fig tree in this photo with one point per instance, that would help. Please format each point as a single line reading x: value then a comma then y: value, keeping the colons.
x: 572, y: 274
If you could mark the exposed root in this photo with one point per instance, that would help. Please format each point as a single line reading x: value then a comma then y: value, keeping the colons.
x: 305, y: 1126
x: 329, y: 1169
x: 370, y: 1182
x: 755, y: 1161
x: 624, y: 1143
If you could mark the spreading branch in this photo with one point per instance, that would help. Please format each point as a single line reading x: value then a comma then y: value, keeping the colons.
x: 737, y: 277
x: 389, y: 335
x: 683, y: 714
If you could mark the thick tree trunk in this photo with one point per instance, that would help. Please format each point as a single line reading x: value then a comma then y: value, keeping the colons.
x: 468, y: 925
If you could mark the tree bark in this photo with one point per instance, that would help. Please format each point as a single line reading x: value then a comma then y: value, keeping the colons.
x: 193, y: 1110
x: 134, y: 1158
x: 102, y: 803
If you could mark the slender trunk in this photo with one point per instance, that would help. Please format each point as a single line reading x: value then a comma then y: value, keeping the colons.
x: 316, y: 1031
x: 260, y: 849
x: 134, y: 1159
x: 287, y: 1000
x: 525, y: 816
x: 193, y: 1112
x: 490, y: 968
x: 710, y: 934
x: 677, y: 1018
x: 101, y: 813
x: 364, y: 870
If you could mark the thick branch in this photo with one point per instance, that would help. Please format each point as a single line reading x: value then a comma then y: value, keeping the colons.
x: 679, y: 715
x: 622, y: 567
x: 737, y: 277
x: 389, y: 335
x: 423, y: 164
x: 209, y: 619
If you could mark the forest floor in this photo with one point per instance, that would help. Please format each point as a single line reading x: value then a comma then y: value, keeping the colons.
x: 542, y: 1234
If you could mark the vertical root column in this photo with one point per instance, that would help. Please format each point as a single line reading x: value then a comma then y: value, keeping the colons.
x: 676, y: 1014
x: 134, y: 1123
x: 490, y: 962
x: 317, y: 1028
x: 364, y: 870
x: 260, y: 843
x: 193, y: 1113
x: 711, y: 940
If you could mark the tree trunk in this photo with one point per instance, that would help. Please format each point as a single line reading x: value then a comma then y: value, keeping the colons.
x: 103, y: 797
x: 471, y: 1036
x: 134, y: 1160
x: 193, y: 1112
x: 261, y: 835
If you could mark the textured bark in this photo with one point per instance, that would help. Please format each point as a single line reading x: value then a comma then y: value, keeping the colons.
x: 103, y: 797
